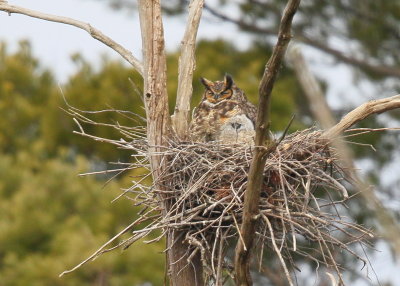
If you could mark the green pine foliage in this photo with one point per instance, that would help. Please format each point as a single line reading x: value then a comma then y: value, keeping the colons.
x: 51, y: 219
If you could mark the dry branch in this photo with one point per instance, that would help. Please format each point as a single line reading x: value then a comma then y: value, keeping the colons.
x: 158, y: 132
x: 362, y: 112
x: 207, y: 182
x: 95, y: 33
x: 255, y: 177
x: 187, y: 65
x: 315, y: 97
x: 390, y: 227
x: 316, y: 43
x: 323, y: 114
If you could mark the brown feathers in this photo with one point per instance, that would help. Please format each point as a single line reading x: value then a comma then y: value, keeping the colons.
x: 222, y: 101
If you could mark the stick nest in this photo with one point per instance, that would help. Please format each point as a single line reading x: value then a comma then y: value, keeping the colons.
x: 304, y: 190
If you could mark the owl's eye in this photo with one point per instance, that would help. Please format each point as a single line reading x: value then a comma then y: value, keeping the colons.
x: 227, y: 92
x: 210, y: 96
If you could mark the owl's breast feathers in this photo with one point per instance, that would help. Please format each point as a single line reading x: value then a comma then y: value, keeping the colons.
x: 223, y: 113
x: 208, y: 118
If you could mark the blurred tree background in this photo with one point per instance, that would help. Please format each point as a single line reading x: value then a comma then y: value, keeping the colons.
x: 51, y: 219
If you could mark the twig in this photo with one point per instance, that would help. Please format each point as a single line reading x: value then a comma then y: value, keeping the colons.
x: 286, y: 130
x: 208, y: 206
x: 332, y: 279
x: 95, y: 254
x: 95, y: 33
x: 278, y: 253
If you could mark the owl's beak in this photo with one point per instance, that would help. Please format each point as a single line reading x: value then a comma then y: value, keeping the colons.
x: 216, y: 96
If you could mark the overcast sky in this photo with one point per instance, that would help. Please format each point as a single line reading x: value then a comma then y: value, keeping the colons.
x: 54, y: 43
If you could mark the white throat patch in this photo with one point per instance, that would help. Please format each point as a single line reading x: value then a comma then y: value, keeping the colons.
x: 213, y: 104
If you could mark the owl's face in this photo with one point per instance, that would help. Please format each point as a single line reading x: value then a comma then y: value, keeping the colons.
x: 219, y: 90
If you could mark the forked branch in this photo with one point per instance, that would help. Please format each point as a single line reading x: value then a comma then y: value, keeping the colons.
x: 158, y: 130
x: 255, y: 177
x: 95, y: 33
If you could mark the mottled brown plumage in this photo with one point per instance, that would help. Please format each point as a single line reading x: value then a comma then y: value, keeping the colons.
x: 224, y: 107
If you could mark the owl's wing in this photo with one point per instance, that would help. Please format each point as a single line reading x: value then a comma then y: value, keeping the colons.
x: 250, y: 110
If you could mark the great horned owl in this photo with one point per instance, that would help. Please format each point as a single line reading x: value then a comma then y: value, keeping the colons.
x: 224, y: 114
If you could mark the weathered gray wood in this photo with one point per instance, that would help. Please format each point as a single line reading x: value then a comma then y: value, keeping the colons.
x: 187, y: 65
x: 158, y: 130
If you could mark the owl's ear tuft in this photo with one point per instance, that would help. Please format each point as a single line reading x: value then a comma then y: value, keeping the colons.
x: 207, y: 83
x: 228, y: 80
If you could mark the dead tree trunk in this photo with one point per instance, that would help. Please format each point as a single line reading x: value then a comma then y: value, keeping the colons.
x: 158, y: 129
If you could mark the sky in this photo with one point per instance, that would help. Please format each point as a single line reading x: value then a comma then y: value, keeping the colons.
x: 54, y: 44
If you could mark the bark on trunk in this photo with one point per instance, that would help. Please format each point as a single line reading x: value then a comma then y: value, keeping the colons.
x: 159, y: 128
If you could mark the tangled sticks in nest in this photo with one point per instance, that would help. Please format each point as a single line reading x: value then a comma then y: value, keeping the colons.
x: 204, y: 186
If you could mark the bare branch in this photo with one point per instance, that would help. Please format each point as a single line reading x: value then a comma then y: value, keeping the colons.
x: 187, y: 65
x: 318, y: 105
x: 363, y: 64
x: 98, y: 251
x: 390, y: 227
x: 95, y: 33
x: 362, y: 112
x: 301, y: 37
x: 278, y: 253
x: 255, y: 177
x: 320, y: 109
x: 208, y: 206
